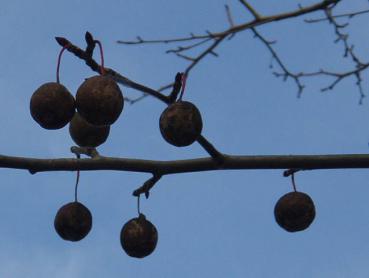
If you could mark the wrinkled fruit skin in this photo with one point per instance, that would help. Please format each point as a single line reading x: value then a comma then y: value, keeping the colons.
x: 294, y: 211
x: 73, y: 221
x: 85, y: 134
x: 138, y: 237
x: 99, y: 100
x: 180, y: 123
x: 52, y: 106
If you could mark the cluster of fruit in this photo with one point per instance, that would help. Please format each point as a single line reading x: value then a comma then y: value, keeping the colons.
x: 99, y: 102
x: 97, y: 105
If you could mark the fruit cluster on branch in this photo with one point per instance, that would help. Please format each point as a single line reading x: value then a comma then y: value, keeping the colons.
x: 97, y: 105
x: 99, y: 102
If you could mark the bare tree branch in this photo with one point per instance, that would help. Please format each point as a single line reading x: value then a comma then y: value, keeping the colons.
x: 231, y: 162
x: 217, y: 37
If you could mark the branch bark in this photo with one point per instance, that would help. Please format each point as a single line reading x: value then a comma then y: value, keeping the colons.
x: 160, y: 168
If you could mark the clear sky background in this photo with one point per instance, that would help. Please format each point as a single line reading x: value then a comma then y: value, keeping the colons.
x: 210, y: 224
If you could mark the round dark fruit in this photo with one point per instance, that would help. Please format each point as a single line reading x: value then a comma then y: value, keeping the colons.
x: 73, y: 221
x: 85, y: 134
x: 138, y: 237
x: 99, y: 100
x: 52, y: 106
x: 180, y: 123
x: 294, y: 211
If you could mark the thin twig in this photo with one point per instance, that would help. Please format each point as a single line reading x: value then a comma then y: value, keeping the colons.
x: 286, y: 73
x: 251, y: 9
x: 146, y: 187
x: 229, y: 16
x: 345, y: 15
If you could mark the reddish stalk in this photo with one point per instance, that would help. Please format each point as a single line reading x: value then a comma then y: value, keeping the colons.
x: 184, y: 78
x: 102, y: 71
x: 59, y: 61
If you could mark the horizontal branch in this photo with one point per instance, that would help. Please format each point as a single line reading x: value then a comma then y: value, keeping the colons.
x: 230, y: 162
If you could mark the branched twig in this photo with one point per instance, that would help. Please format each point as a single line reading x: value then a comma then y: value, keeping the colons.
x: 345, y: 15
x: 218, y: 37
x: 359, y: 66
x: 146, y: 187
x: 285, y: 72
x: 338, y: 77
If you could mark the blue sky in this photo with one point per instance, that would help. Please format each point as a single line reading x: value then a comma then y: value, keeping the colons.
x: 211, y: 224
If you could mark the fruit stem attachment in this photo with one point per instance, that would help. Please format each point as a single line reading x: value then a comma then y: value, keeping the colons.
x: 183, y: 80
x: 293, y: 182
x: 146, y: 187
x: 59, y: 61
x: 102, y: 69
x: 77, y: 181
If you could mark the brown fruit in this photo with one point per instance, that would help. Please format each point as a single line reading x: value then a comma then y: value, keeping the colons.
x: 52, y: 106
x: 99, y: 100
x: 138, y: 237
x: 85, y: 134
x: 294, y: 211
x: 180, y: 123
x: 73, y: 221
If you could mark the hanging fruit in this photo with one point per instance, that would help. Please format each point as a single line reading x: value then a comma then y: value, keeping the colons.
x: 138, y: 237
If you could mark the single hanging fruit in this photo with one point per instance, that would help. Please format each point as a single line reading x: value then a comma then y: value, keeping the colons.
x: 99, y: 100
x: 85, y: 134
x: 139, y: 237
x: 73, y: 221
x: 52, y: 105
x: 294, y: 211
x: 181, y: 123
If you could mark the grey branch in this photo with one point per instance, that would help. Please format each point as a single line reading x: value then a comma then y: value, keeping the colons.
x: 160, y: 168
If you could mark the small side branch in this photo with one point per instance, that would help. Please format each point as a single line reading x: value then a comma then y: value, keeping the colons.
x: 146, y: 187
x: 251, y: 9
x: 212, y: 151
